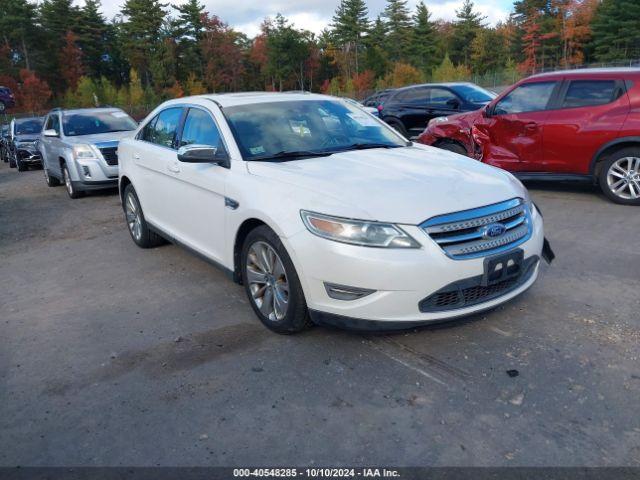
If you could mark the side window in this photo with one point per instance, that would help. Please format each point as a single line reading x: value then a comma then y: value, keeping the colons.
x: 530, y: 97
x: 163, y: 131
x: 587, y: 93
x: 53, y: 123
x: 415, y: 96
x: 442, y: 97
x: 200, y: 129
x: 147, y: 131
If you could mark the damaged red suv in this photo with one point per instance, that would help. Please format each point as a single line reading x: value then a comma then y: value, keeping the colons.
x: 570, y: 125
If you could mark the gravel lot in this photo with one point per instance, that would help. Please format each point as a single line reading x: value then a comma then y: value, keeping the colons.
x: 113, y: 355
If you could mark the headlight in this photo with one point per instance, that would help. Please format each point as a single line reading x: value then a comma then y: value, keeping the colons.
x: 357, y: 232
x: 84, y: 151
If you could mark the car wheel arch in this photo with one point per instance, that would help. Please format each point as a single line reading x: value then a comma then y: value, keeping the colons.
x: 124, y: 181
x: 241, y: 234
x: 448, y: 140
x: 609, y: 148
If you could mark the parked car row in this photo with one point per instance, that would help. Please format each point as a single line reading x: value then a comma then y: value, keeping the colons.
x: 19, y: 143
x: 321, y: 210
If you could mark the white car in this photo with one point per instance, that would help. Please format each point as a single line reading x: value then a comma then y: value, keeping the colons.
x: 326, y: 214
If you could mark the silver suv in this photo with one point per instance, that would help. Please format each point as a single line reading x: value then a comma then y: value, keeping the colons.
x: 79, y: 147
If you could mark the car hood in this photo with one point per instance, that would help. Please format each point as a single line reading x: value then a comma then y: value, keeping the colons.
x: 26, y: 138
x: 403, y: 185
x: 99, y: 137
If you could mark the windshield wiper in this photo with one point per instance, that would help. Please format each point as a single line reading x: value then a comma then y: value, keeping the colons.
x: 366, y: 146
x: 291, y: 155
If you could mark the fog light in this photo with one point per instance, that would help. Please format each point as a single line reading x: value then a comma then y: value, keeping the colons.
x: 343, y: 292
x: 86, y: 172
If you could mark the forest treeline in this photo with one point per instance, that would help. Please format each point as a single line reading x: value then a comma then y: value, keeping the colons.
x: 55, y: 52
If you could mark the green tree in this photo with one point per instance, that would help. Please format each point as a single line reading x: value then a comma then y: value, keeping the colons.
x: 424, y: 41
x: 467, y: 25
x: 18, y: 30
x: 188, y: 30
x: 287, y: 50
x: 141, y: 33
x: 93, y: 39
x: 398, y: 24
x: 350, y: 24
x: 616, y: 30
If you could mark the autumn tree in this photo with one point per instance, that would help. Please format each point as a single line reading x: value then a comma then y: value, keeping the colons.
x: 33, y: 93
x: 224, y: 66
x: 71, y: 68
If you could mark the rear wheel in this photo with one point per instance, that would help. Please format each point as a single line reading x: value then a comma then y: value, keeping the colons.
x: 51, y: 181
x: 398, y: 126
x: 619, y: 176
x: 453, y: 147
x: 272, y: 284
x: 138, y: 227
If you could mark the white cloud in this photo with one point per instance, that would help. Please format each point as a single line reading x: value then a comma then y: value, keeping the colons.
x: 314, y: 15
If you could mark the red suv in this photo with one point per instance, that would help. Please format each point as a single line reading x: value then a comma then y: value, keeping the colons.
x: 571, y: 125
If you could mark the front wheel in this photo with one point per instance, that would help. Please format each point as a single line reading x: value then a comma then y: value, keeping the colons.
x: 453, y: 147
x: 12, y: 160
x: 272, y: 284
x: 73, y: 193
x: 620, y: 176
x: 21, y: 165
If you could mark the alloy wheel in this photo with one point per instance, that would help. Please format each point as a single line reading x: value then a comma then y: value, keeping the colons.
x: 623, y: 178
x: 67, y: 181
x: 132, y: 214
x: 267, y: 281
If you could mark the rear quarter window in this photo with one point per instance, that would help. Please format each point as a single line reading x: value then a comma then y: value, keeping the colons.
x: 589, y: 93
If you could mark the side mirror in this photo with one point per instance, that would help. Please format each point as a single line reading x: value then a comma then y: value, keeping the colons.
x: 50, y: 133
x: 202, y: 154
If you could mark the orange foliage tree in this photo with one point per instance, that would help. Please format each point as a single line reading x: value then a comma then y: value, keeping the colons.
x: 33, y: 93
x: 71, y: 61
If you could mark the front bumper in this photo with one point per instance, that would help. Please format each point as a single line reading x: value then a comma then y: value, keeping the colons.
x: 81, y: 186
x: 402, y: 279
x: 27, y: 156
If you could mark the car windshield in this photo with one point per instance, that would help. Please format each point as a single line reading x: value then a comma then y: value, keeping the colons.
x: 91, y: 123
x: 299, y: 129
x: 474, y: 93
x: 33, y: 126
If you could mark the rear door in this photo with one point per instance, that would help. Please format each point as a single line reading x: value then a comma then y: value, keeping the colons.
x: 587, y: 114
x: 155, y: 156
x: 514, y: 127
x: 412, y: 107
x: 50, y: 147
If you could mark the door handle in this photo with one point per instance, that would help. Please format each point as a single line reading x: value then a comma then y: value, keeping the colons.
x: 173, y: 167
x: 136, y: 156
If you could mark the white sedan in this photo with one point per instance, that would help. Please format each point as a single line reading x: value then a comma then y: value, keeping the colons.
x: 327, y: 215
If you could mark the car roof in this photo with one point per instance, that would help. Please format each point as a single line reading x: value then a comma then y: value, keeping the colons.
x: 247, y: 98
x: 443, y: 84
x: 587, y: 72
x: 73, y: 111
x: 26, y: 119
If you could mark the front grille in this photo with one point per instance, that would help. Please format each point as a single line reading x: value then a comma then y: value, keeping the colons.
x: 110, y: 155
x: 469, y: 292
x: 467, y: 234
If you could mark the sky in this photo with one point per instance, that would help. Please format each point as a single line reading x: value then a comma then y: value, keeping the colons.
x: 314, y: 15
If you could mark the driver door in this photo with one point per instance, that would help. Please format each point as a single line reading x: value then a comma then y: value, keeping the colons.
x: 512, y: 131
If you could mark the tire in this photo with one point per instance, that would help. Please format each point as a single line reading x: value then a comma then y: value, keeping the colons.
x: 397, y: 125
x: 138, y: 228
x: 619, y: 176
x: 12, y: 161
x: 453, y: 147
x: 268, y: 274
x: 21, y: 166
x: 3, y: 107
x: 51, y: 181
x: 71, y: 191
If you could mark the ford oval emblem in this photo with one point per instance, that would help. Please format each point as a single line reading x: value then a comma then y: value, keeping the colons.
x: 493, y: 230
